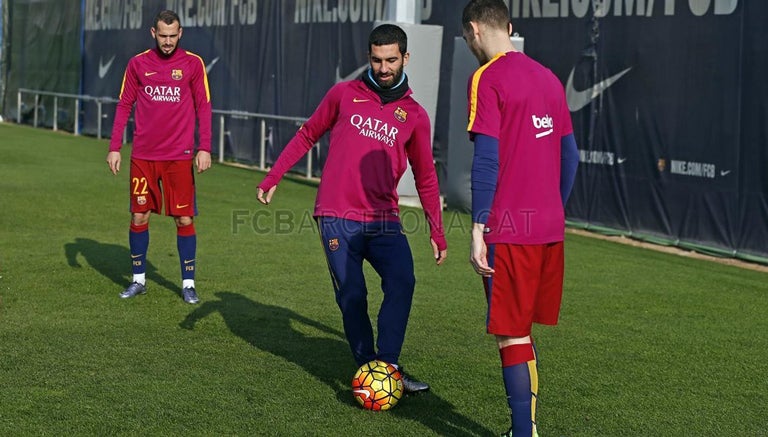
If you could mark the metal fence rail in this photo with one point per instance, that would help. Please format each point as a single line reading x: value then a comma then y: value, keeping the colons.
x: 222, y: 115
x: 262, y: 133
x: 78, y: 98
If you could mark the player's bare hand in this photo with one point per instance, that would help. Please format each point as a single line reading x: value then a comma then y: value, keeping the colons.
x: 440, y: 255
x: 203, y: 161
x: 260, y: 194
x: 478, y: 252
x: 113, y: 160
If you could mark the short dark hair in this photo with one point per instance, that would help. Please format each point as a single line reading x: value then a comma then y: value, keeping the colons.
x: 388, y: 34
x: 167, y: 17
x: 492, y: 13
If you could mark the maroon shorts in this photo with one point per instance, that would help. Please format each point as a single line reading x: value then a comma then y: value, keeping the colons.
x: 158, y: 183
x: 526, y: 288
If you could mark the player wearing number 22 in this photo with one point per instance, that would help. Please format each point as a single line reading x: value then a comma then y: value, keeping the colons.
x: 169, y: 88
x: 376, y: 127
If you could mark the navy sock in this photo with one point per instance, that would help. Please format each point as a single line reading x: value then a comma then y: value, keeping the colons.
x: 186, y: 242
x: 138, y: 242
x: 522, y: 386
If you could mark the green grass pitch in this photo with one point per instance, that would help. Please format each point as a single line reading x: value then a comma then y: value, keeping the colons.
x: 648, y: 343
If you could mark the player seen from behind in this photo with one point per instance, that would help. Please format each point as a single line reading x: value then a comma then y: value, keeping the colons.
x: 524, y: 165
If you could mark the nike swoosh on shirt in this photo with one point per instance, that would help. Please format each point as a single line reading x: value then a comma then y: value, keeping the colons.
x: 182, y: 206
x: 149, y: 73
x: 620, y: 160
x: 211, y: 64
x: 724, y: 172
x: 579, y: 99
x: 104, y: 68
x: 356, y: 100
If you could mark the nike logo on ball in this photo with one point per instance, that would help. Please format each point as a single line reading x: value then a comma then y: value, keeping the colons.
x: 579, y: 99
x: 362, y: 392
x: 104, y: 68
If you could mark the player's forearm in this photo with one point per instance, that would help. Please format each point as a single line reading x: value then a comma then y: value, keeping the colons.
x: 485, y: 168
x: 203, y: 109
x: 127, y: 98
x: 204, y: 116
x: 435, y: 221
x: 419, y: 151
x: 428, y: 190
x: 293, y: 152
x: 478, y: 229
x: 569, y: 161
x: 122, y: 112
x: 429, y: 196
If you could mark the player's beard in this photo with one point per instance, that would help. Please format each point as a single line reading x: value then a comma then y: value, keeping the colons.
x: 394, y: 80
x: 162, y: 52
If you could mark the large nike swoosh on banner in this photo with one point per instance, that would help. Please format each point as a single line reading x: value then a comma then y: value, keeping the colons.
x: 104, y: 68
x: 210, y: 65
x: 579, y: 99
x: 351, y: 76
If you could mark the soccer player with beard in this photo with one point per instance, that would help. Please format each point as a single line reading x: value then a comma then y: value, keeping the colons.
x: 169, y: 87
x: 524, y: 165
x: 375, y: 126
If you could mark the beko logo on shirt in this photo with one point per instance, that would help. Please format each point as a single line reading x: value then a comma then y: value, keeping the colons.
x: 375, y: 128
x: 544, y: 122
x: 163, y: 93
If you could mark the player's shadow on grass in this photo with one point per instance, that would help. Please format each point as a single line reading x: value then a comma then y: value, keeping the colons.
x: 322, y: 352
x: 112, y: 261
